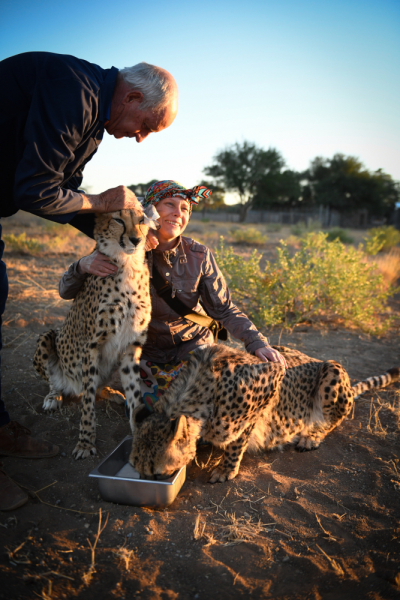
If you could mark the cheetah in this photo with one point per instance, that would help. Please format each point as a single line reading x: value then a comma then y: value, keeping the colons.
x: 238, y: 403
x: 105, y: 327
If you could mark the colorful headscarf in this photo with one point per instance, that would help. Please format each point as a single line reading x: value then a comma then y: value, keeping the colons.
x: 168, y: 188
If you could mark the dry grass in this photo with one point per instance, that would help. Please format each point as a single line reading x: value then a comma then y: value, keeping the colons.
x: 236, y: 530
x: 375, y: 425
x: 388, y: 264
x: 335, y: 565
x: 87, y: 577
x: 125, y: 556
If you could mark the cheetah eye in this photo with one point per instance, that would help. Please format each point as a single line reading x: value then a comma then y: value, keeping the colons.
x: 119, y: 221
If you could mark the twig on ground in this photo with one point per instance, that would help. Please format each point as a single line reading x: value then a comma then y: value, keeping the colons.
x: 125, y: 555
x: 218, y: 506
x: 330, y: 536
x: 34, y: 494
x: 57, y: 574
x: 30, y: 405
x: 336, y: 567
x: 199, y: 528
x: 12, y: 553
x: 18, y: 336
x: 45, y: 488
x: 236, y: 530
x: 87, y: 577
x: 23, y: 342
x: 35, y: 282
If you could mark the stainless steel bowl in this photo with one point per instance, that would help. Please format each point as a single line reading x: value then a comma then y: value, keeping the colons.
x: 127, y: 488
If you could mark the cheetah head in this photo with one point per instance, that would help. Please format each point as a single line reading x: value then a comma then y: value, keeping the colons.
x: 121, y: 231
x: 161, y: 445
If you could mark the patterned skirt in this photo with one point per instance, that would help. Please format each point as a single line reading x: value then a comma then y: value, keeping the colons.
x: 155, y: 379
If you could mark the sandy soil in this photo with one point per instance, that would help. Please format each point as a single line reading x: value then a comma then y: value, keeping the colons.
x: 316, y: 525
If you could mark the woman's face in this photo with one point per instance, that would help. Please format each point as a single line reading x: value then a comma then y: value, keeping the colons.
x: 174, y: 216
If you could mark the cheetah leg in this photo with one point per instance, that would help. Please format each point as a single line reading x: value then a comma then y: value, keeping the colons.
x: 87, y: 430
x: 130, y: 378
x: 228, y: 468
x: 45, y: 347
x: 44, y: 355
x: 334, y: 400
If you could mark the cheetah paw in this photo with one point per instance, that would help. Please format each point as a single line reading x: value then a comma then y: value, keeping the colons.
x: 307, y: 443
x: 112, y: 395
x: 83, y: 450
x: 220, y: 476
x: 52, y: 402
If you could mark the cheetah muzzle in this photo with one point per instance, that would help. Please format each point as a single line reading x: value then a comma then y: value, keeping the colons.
x: 238, y: 403
x: 105, y: 327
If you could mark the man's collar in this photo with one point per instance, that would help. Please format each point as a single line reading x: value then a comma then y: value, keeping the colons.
x: 106, y: 94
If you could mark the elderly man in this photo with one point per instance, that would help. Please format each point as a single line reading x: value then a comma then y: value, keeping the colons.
x: 54, y: 110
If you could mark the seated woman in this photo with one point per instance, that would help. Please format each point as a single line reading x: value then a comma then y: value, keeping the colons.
x: 193, y: 274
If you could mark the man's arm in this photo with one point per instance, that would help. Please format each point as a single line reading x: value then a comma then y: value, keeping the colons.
x: 61, y: 134
x: 73, y: 279
x: 109, y: 201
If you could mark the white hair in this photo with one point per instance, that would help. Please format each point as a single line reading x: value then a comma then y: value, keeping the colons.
x: 157, y: 89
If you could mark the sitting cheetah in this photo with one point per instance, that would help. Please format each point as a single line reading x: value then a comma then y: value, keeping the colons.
x: 106, y: 326
x: 237, y: 402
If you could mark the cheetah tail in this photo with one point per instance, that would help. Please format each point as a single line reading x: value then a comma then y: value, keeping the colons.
x: 376, y: 382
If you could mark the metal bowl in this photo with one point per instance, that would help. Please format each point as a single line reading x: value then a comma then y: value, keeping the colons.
x: 120, y: 483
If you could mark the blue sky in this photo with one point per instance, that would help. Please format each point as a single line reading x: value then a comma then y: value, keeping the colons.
x: 308, y: 78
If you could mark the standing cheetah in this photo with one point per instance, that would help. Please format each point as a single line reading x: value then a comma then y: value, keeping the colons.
x: 237, y: 402
x: 105, y: 327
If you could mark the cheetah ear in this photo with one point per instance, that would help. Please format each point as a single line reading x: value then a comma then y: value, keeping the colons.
x: 181, y: 431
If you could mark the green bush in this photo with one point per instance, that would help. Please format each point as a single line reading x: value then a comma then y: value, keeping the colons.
x: 20, y: 243
x: 302, y: 228
x: 322, y: 279
x: 336, y: 233
x: 273, y: 227
x: 250, y: 236
x: 381, y: 239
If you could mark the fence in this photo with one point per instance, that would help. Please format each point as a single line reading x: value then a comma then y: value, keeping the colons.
x: 327, y: 217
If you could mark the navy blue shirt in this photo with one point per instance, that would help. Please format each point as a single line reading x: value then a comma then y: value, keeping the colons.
x: 52, y: 113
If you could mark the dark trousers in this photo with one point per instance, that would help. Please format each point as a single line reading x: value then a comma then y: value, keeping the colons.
x: 4, y: 417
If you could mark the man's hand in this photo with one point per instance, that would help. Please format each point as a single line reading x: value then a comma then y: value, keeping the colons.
x: 269, y: 354
x: 151, y: 241
x: 96, y: 264
x: 119, y: 198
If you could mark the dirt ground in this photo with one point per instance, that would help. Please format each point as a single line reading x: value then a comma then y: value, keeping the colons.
x: 314, y: 525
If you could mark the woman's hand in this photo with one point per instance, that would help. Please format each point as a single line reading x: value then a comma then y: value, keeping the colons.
x: 269, y: 354
x: 151, y: 241
x: 96, y: 264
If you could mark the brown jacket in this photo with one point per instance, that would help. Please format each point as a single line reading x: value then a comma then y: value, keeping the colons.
x: 194, y: 275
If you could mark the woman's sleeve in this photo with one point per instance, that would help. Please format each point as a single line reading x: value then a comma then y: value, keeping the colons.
x: 216, y: 299
x: 71, y: 282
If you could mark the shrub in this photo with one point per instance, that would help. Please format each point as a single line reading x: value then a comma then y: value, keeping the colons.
x: 302, y: 228
x: 273, y: 227
x: 381, y: 239
x: 336, y: 233
x: 322, y: 279
x: 249, y: 235
x: 20, y: 243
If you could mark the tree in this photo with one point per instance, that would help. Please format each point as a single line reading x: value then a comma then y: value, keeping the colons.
x: 241, y: 167
x: 344, y: 184
x: 277, y: 190
x: 140, y: 189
